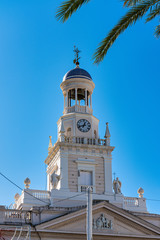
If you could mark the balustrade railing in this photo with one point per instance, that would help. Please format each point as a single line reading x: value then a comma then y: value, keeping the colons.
x: 40, y: 194
x: 30, y: 195
x: 85, y: 187
x: 89, y: 141
x: 78, y: 108
x: 131, y: 202
x: 17, y: 215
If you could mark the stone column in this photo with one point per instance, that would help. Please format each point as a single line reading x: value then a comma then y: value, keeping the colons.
x: 64, y: 100
x: 85, y: 97
x: 75, y: 96
x: 67, y: 98
x: 108, y: 173
x: 91, y: 101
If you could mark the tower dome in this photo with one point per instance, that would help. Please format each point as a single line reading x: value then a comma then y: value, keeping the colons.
x: 77, y: 87
x: 77, y: 73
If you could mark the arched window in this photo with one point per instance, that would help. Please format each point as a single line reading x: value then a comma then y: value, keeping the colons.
x: 95, y: 134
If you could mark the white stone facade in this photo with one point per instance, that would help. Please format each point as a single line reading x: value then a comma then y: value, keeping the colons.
x: 80, y: 158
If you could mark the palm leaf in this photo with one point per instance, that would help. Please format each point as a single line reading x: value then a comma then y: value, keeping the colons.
x: 157, y: 32
x: 154, y: 12
x: 130, y: 3
x: 131, y: 17
x: 67, y: 8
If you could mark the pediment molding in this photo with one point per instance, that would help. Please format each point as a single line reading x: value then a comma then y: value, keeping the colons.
x: 97, y: 236
x: 126, y: 222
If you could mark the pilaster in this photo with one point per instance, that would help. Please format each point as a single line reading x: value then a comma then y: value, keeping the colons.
x: 64, y: 170
x: 108, y: 172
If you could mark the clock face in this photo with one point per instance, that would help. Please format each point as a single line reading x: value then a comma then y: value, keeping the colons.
x: 83, y: 125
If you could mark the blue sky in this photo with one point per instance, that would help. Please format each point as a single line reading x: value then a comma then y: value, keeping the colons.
x: 35, y: 53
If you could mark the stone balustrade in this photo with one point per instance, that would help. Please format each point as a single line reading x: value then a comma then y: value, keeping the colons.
x: 14, y: 216
x: 89, y: 141
x: 41, y: 194
x: 31, y: 197
x: 27, y: 201
x: 25, y: 217
x: 83, y: 188
x: 131, y: 201
x: 78, y: 108
x: 135, y: 204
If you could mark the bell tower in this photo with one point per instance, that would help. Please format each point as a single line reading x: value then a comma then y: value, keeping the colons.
x: 79, y: 158
x: 78, y: 119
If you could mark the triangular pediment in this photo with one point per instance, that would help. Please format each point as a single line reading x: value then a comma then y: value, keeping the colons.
x: 107, y: 220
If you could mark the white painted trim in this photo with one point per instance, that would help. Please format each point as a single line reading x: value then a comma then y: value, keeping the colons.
x: 87, y: 167
x: 86, y: 161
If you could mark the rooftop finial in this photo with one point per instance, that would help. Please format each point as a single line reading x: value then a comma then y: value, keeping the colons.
x: 107, y: 135
x: 76, y: 60
x: 27, y: 182
x: 140, y: 192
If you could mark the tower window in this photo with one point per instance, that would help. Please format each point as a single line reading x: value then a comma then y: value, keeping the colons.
x: 86, y: 178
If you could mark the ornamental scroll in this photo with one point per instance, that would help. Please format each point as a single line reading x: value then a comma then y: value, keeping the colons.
x: 102, y: 223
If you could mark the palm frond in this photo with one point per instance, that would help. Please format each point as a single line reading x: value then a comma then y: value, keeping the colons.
x: 131, y: 3
x: 67, y: 8
x: 154, y: 12
x: 157, y: 32
x: 131, y: 17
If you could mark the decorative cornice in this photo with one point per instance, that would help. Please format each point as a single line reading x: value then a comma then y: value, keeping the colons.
x: 58, y: 144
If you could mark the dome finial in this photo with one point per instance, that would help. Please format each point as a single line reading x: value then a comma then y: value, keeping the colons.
x: 27, y: 182
x: 76, y: 60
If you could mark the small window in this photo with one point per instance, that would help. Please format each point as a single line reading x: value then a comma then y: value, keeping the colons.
x: 95, y: 134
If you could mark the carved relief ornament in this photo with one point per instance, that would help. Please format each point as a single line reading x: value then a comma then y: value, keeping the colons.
x: 102, y: 223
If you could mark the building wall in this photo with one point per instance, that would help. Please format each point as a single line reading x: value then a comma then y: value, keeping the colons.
x: 73, y: 173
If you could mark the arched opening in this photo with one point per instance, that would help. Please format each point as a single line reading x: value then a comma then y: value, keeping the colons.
x: 78, y: 96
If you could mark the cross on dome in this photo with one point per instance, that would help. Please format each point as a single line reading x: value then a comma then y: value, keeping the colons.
x: 76, y: 60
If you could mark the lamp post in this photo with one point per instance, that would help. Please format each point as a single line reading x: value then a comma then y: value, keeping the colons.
x: 89, y: 213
